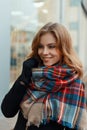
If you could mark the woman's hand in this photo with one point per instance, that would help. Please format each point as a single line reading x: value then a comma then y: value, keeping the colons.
x: 27, y: 70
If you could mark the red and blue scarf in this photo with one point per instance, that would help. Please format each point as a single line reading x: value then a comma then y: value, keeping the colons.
x: 62, y: 93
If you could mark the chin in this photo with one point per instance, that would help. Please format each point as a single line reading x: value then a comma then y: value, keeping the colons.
x: 48, y: 64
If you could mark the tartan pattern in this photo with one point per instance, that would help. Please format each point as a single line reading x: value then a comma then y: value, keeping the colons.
x: 62, y: 92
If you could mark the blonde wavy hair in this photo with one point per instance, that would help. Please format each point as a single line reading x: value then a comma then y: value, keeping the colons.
x: 64, y: 44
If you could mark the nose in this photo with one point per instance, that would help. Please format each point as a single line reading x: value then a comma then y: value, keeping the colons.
x: 45, y: 51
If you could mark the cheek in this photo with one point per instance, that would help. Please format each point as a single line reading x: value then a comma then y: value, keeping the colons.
x: 58, y: 54
x: 39, y: 52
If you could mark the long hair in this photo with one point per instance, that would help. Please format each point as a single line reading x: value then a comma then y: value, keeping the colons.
x: 64, y: 44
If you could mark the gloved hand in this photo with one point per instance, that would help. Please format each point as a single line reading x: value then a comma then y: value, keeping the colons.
x: 26, y: 74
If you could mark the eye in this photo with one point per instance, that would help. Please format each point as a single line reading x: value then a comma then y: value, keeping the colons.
x: 52, y: 46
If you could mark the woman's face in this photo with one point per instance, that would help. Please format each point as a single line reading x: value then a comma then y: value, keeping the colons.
x: 47, y: 49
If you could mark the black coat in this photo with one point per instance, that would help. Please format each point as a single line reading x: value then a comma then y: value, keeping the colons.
x: 11, y: 103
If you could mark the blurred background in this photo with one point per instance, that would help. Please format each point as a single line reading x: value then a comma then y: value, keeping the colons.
x: 20, y: 20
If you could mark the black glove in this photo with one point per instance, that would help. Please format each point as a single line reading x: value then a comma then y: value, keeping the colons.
x: 25, y: 77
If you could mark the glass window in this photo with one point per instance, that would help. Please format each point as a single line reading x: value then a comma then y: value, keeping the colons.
x: 74, y: 2
x: 73, y: 26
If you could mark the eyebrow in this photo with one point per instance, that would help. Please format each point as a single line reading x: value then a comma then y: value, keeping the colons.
x: 48, y: 43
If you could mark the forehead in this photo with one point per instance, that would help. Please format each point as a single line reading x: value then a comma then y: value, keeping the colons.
x: 48, y: 37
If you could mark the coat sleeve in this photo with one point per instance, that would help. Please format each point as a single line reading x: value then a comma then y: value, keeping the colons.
x: 11, y: 102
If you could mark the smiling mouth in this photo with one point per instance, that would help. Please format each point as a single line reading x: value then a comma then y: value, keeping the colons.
x: 46, y: 59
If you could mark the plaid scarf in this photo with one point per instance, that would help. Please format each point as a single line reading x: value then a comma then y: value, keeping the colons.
x: 61, y: 93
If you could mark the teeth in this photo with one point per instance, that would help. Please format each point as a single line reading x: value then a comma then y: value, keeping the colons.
x: 46, y: 57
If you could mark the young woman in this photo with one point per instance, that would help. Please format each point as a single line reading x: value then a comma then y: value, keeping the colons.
x: 49, y: 93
